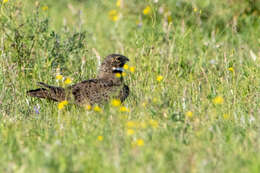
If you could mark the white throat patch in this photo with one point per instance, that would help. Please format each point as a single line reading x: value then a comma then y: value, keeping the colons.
x: 118, y: 69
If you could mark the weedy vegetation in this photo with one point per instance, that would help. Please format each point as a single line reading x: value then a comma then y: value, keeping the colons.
x: 194, y: 77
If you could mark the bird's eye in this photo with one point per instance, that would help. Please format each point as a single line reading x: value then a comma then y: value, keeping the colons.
x: 118, y: 59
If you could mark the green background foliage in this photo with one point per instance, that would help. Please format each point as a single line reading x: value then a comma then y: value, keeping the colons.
x: 201, y: 48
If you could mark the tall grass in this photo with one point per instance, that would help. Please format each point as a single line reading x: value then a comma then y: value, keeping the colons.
x: 195, y: 88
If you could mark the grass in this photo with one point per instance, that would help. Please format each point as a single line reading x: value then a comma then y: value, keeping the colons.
x: 195, y: 91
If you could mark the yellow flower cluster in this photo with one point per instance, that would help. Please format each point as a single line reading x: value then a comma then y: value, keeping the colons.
x: 124, y: 109
x: 88, y: 107
x: 147, y: 10
x: 138, y: 142
x: 132, y: 69
x: 5, y: 1
x: 123, y: 74
x: 196, y: 10
x: 97, y: 108
x: 62, y: 104
x: 218, y: 100
x: 118, y: 75
x: 59, y: 77
x: 113, y: 15
x: 189, y: 114
x: 118, y: 3
x: 130, y: 132
x: 100, y: 138
x: 134, y: 125
x: 45, y: 8
x: 115, y: 102
x: 67, y: 81
x: 226, y: 116
x: 231, y: 69
x: 126, y: 67
x: 159, y: 78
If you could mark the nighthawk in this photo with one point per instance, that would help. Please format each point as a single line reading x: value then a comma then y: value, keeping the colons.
x: 93, y: 91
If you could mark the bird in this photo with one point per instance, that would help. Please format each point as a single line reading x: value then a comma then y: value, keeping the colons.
x: 100, y: 90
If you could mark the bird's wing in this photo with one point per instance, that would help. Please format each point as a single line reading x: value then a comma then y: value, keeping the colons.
x: 94, y: 91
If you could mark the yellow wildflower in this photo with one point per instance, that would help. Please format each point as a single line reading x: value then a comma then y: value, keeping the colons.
x: 130, y: 132
x: 115, y: 102
x: 195, y: 9
x: 153, y: 123
x: 113, y: 15
x: 68, y: 81
x: 225, y: 116
x: 5, y: 1
x: 62, y: 104
x: 155, y: 100
x: 125, y: 66
x: 97, y: 108
x: 59, y: 77
x: 124, y: 109
x: 140, y: 142
x: 144, y: 104
x: 123, y: 74
x: 118, y: 3
x: 118, y: 75
x: 45, y: 8
x: 88, y: 107
x: 231, y: 69
x: 132, y: 69
x: 100, y: 138
x: 159, y: 78
x: 147, y: 10
x: 131, y: 124
x: 218, y: 100
x: 189, y: 114
x: 65, y: 102
x: 169, y: 19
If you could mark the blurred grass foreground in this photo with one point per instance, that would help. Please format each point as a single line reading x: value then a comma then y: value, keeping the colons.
x: 194, y: 76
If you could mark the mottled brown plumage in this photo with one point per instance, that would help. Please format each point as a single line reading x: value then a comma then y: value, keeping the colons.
x: 99, y: 90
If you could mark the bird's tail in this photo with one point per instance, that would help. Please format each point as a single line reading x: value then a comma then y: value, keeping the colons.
x: 48, y: 92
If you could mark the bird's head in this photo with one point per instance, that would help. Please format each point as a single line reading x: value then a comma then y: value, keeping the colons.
x: 112, y: 64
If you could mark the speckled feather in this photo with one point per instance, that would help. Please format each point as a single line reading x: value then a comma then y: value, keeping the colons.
x: 92, y: 91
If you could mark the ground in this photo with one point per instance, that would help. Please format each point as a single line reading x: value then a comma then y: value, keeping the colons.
x: 194, y: 77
